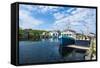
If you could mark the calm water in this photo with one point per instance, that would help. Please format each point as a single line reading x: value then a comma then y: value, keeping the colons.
x: 45, y: 51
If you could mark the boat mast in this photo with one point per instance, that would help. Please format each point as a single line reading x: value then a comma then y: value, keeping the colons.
x: 68, y: 24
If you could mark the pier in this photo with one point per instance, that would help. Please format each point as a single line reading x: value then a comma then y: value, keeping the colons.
x: 78, y: 47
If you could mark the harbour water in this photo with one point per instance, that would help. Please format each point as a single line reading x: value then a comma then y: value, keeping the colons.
x: 46, y: 50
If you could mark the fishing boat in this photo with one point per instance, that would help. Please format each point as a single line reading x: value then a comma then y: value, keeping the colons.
x: 66, y: 39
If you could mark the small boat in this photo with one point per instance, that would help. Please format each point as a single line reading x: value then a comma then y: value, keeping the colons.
x: 66, y: 40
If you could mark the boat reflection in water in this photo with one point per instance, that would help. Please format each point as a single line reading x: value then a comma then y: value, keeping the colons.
x: 69, y: 53
x: 46, y: 50
x: 65, y: 51
x: 64, y: 41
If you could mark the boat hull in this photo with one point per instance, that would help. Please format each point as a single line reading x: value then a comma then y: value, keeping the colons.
x: 67, y: 41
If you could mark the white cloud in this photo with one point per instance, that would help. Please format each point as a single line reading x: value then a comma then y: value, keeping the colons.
x: 78, y: 10
x: 70, y: 10
x: 27, y: 7
x: 27, y: 21
x: 40, y: 8
x: 65, y: 13
x: 48, y: 8
x: 58, y: 15
x: 59, y: 26
x: 78, y: 18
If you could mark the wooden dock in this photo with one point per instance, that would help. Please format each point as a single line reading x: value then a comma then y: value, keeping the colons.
x: 78, y: 47
x: 81, y: 45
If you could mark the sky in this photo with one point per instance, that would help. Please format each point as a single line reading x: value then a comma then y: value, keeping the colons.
x: 49, y: 18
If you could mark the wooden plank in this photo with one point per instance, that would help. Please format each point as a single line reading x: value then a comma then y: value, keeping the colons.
x: 78, y: 47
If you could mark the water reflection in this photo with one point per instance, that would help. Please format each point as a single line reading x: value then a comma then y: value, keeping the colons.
x: 65, y: 51
x: 70, y: 54
x: 51, y: 40
x: 46, y: 50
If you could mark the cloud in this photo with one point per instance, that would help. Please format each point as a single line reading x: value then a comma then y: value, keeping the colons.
x: 77, y: 17
x: 81, y: 17
x: 65, y: 13
x: 40, y: 8
x: 26, y: 21
x: 70, y: 10
x: 58, y: 15
x: 50, y: 9
x: 27, y: 7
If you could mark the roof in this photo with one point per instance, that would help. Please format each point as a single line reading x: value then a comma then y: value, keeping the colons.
x: 70, y: 30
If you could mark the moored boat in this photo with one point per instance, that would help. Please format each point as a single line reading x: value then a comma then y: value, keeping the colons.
x: 66, y: 40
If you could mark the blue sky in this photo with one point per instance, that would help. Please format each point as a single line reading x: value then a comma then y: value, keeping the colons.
x: 57, y: 18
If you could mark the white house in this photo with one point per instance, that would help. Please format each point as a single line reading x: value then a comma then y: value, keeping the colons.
x: 54, y: 34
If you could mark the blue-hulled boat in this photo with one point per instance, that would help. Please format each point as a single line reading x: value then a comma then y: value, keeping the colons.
x: 66, y: 40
